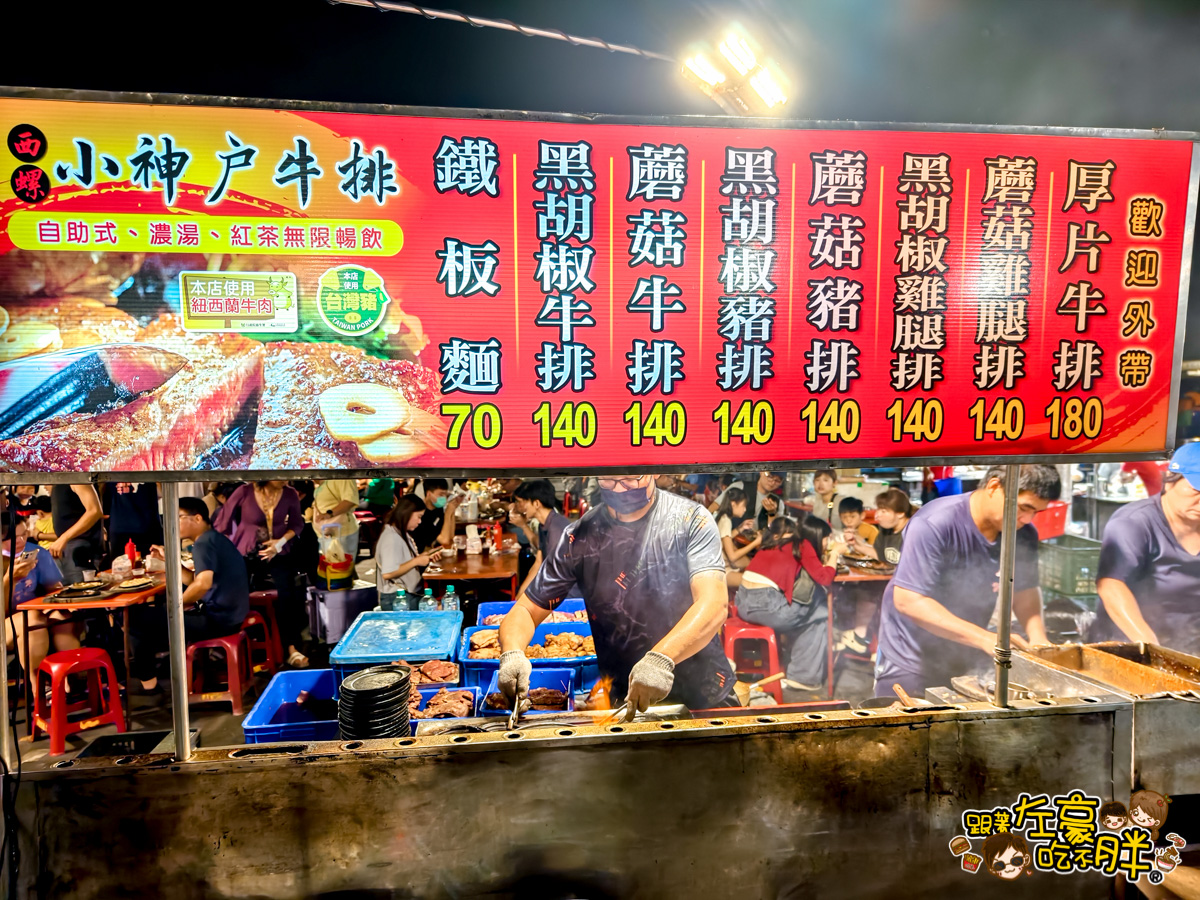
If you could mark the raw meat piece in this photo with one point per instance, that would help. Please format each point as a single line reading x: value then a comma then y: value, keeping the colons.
x: 443, y: 705
x: 438, y: 670
x: 547, y: 698
x: 544, y: 699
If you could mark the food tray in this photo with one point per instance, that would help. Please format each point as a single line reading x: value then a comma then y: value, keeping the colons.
x: 284, y: 688
x: 499, y: 607
x: 379, y: 638
x: 1068, y: 564
x: 558, y: 679
x: 427, y: 691
x: 66, y: 595
x: 479, y: 671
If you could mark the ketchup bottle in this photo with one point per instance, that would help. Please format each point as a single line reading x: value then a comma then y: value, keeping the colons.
x: 131, y: 553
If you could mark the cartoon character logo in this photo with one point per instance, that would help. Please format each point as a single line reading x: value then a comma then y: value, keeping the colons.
x: 1006, y: 855
x: 1149, y: 810
x: 281, y: 293
x: 1113, y: 815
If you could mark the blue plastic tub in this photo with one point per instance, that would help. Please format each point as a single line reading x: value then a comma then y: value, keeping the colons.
x: 478, y: 672
x: 948, y: 487
x: 277, y: 717
x: 379, y: 638
x: 427, y: 692
x: 500, y: 607
x: 558, y: 679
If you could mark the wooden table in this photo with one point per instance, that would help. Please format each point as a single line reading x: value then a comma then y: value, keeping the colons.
x: 117, y: 601
x: 494, y: 566
x: 854, y: 576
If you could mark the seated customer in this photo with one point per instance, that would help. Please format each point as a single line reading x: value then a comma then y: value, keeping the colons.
x: 36, y: 575
x: 892, y: 512
x: 784, y: 588
x: 398, y: 561
x: 215, y: 601
x: 732, y: 509
x: 850, y: 514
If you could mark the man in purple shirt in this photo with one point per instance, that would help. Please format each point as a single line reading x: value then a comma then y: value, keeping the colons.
x: 936, y: 608
x: 1149, y: 576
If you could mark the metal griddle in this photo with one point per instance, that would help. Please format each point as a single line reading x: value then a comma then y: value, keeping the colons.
x: 1164, y: 686
x: 477, y: 724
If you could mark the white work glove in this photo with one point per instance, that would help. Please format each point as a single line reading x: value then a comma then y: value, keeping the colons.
x: 513, y: 677
x: 649, y: 681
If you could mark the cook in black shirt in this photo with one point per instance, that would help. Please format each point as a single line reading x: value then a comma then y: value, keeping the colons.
x: 650, y: 568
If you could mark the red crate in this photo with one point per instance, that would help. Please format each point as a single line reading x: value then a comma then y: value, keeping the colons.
x: 1052, y: 521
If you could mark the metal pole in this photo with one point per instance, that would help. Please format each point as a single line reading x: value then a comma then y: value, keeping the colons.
x: 6, y: 733
x: 1008, y: 558
x: 175, y: 634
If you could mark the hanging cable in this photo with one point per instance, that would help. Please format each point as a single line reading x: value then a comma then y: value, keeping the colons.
x: 502, y: 24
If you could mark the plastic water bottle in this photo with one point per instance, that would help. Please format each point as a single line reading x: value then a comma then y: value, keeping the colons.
x: 449, y: 599
x: 428, y: 603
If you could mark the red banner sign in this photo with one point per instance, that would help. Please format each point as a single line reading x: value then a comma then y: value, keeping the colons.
x: 356, y: 291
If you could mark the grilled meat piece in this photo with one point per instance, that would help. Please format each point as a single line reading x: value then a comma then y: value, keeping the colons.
x: 291, y: 431
x: 168, y: 428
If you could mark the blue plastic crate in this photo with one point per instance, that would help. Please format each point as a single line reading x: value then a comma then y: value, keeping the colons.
x: 427, y: 692
x: 558, y: 679
x: 478, y: 672
x: 379, y: 638
x: 276, y: 717
x: 501, y: 607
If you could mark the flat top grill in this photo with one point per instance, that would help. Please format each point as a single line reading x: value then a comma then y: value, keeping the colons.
x: 1136, y: 669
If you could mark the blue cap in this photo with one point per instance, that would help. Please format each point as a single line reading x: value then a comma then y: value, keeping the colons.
x: 1186, y: 461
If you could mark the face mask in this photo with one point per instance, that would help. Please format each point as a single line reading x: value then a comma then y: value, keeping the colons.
x: 626, y: 502
x: 440, y: 502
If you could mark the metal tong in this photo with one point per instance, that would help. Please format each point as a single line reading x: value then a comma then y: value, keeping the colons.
x: 519, y: 706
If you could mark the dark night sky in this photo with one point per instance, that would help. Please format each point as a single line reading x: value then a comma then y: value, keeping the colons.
x: 1098, y: 63
x: 1029, y: 62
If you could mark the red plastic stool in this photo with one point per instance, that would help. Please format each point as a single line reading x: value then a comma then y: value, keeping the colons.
x: 737, y: 630
x: 102, y: 706
x: 262, y: 650
x: 238, y: 676
x: 264, y: 602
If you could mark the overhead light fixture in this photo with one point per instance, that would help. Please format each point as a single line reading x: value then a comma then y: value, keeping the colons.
x: 737, y: 76
x: 703, y: 69
x: 768, y: 88
x: 738, y: 52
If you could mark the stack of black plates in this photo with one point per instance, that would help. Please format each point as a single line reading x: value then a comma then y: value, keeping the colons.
x: 373, y: 703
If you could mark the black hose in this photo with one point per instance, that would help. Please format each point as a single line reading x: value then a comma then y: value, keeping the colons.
x: 12, y: 785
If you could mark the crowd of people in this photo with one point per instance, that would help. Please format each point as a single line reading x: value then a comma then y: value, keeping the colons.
x: 651, y: 559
